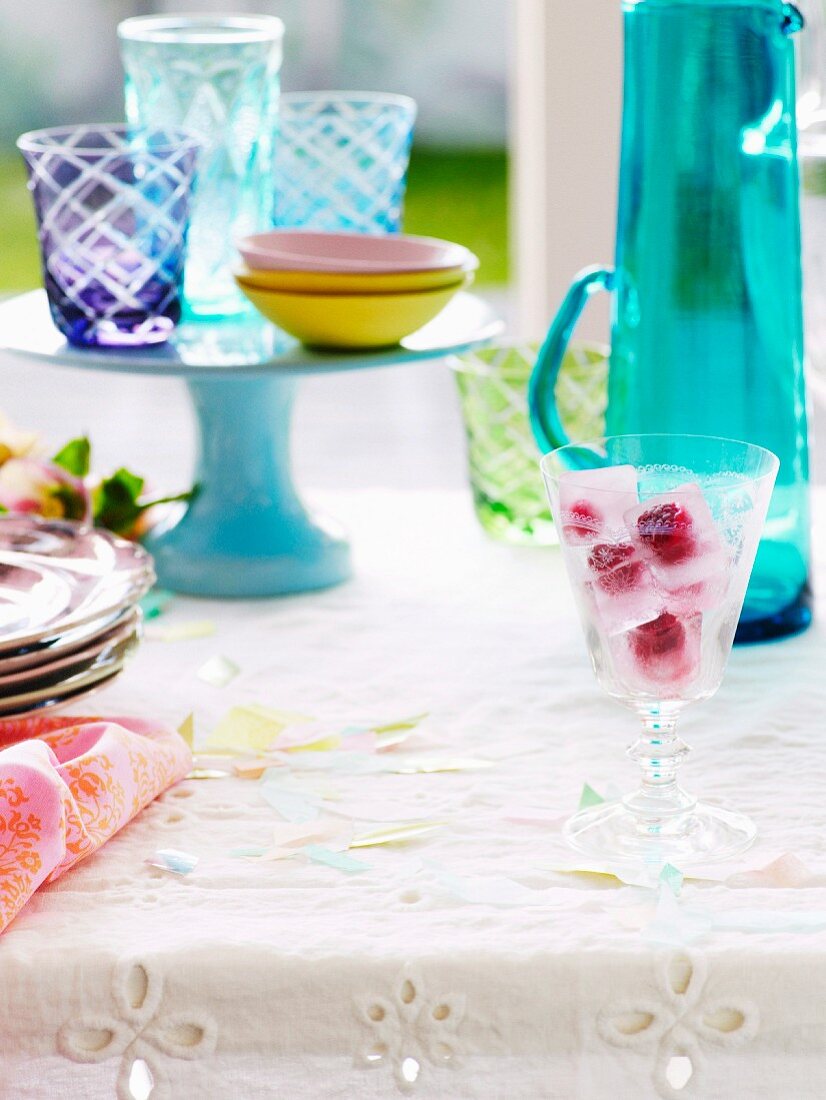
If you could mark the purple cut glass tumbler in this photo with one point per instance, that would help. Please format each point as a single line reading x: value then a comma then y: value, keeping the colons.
x: 112, y: 208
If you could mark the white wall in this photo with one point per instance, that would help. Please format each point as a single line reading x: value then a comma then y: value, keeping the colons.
x: 566, y: 99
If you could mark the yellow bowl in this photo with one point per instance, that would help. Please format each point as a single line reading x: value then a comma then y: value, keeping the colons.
x: 351, y: 320
x: 346, y: 282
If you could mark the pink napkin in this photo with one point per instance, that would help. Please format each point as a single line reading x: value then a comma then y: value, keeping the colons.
x: 67, y: 784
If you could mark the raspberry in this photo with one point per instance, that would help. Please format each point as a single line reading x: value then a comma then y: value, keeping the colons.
x: 625, y: 579
x: 606, y: 556
x: 586, y: 520
x: 666, y: 530
x: 658, y: 638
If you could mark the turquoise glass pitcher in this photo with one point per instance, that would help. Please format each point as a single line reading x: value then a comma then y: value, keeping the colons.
x: 707, y: 330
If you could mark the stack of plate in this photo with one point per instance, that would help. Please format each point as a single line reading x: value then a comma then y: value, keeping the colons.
x: 351, y: 290
x: 68, y: 610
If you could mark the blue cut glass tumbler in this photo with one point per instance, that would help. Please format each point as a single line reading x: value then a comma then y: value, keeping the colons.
x: 112, y: 210
x: 341, y: 161
x: 216, y: 76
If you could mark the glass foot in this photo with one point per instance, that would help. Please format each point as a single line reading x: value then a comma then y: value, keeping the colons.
x: 609, y: 832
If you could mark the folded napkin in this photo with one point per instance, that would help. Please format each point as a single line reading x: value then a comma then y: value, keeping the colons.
x: 67, y: 784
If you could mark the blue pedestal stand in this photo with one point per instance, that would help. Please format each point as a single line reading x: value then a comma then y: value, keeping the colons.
x: 246, y: 533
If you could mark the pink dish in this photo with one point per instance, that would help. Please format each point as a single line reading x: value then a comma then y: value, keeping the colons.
x: 306, y: 250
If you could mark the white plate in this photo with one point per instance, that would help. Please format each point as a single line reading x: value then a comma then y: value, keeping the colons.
x: 94, y: 574
x: 57, y: 702
x: 48, y: 672
x: 54, y: 648
x: 31, y: 596
x: 12, y: 704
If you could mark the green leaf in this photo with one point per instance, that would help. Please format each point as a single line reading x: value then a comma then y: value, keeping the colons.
x: 75, y: 456
x: 73, y: 504
x: 175, y: 498
x: 116, y: 501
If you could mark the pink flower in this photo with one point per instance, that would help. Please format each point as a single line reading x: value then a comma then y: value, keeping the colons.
x: 15, y: 442
x: 41, y: 488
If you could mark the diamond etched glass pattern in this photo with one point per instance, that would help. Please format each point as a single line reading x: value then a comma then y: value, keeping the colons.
x: 217, y: 78
x: 112, y: 211
x: 503, y: 458
x: 341, y: 161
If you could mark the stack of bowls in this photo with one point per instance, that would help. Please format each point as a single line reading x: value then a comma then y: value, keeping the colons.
x: 68, y: 610
x: 351, y: 290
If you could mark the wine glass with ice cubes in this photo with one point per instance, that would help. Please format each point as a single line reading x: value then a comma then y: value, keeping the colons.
x: 659, y: 534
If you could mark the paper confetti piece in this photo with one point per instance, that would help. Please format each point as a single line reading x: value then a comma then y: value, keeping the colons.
x: 355, y: 731
x: 400, y: 724
x: 361, y: 741
x: 288, y: 839
x: 671, y: 877
x: 173, y: 860
x: 785, y: 873
x: 344, y: 763
x: 599, y: 878
x: 187, y: 730
x: 207, y: 773
x: 589, y: 797
x: 485, y: 889
x: 154, y: 603
x: 218, y: 671
x: 317, y: 853
x: 391, y: 739
x: 246, y: 853
x: 253, y: 767
x: 332, y: 831
x: 324, y: 737
x: 181, y: 632
x: 318, y: 744
x: 291, y: 803
x: 628, y: 874
x: 674, y: 924
x: 247, y: 728
x: 397, y: 833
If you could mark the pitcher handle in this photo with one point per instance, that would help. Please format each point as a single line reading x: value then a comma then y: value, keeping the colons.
x: 793, y: 20
x: 545, y: 421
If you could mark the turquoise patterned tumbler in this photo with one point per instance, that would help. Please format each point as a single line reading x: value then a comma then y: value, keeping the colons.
x: 216, y: 77
x: 341, y: 161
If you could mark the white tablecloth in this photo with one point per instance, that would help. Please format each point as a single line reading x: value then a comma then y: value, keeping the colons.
x: 296, y: 980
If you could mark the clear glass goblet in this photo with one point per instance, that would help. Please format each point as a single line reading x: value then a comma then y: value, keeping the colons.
x: 659, y: 534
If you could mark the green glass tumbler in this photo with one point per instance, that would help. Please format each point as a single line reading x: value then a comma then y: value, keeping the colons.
x: 503, y: 458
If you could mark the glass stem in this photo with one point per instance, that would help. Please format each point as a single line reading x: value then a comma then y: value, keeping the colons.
x: 659, y: 751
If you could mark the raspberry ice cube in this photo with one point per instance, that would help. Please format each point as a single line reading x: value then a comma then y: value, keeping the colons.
x: 676, y: 534
x: 660, y: 657
x: 592, y: 503
x: 703, y: 595
x: 621, y: 585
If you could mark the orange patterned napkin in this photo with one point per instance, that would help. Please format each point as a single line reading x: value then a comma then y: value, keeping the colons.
x: 67, y: 784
